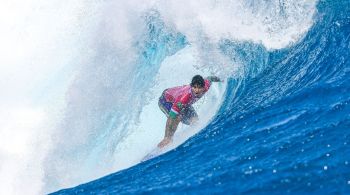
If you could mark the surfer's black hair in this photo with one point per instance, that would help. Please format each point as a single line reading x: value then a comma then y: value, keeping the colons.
x: 197, y: 81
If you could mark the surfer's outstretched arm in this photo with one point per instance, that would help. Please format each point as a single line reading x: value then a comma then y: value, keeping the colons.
x: 214, y: 79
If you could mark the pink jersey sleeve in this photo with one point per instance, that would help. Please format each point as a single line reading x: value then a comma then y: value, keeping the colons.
x: 207, y: 84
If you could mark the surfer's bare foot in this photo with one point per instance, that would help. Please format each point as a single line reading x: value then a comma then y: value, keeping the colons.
x: 164, y: 142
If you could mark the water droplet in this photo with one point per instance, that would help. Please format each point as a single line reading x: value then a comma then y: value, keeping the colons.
x: 328, y: 145
x: 327, y: 155
x: 325, y: 168
x: 274, y: 171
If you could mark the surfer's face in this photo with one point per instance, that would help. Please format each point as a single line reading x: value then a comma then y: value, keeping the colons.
x: 197, y: 90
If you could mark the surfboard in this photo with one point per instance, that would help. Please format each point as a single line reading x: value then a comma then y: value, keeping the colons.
x: 158, y: 151
x: 154, y: 153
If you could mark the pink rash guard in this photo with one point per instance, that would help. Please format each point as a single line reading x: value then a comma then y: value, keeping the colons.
x: 182, y: 97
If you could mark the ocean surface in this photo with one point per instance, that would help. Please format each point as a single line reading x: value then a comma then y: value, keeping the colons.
x: 278, y: 124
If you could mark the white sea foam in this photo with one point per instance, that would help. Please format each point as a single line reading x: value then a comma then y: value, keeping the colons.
x: 272, y: 23
x: 36, y: 48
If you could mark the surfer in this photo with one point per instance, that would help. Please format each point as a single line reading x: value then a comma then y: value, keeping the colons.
x: 176, y: 104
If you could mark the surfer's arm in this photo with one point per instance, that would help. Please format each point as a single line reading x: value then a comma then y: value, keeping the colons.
x: 214, y: 79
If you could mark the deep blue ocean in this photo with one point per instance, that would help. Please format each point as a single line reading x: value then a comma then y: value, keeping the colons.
x: 283, y: 127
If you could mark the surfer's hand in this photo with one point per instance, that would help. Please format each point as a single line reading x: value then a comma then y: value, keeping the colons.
x: 164, y: 142
x: 214, y: 79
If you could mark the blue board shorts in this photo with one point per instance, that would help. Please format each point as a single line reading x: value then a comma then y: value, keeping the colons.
x: 187, y: 113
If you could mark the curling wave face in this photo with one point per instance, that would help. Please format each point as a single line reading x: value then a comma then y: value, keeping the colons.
x: 93, y: 94
x: 283, y: 124
x: 111, y: 119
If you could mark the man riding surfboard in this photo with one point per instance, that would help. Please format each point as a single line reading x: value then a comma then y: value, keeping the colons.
x: 176, y: 104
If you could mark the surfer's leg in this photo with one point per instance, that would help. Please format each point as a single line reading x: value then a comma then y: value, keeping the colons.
x: 171, y: 126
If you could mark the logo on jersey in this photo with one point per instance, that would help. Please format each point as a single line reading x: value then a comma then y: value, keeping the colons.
x: 179, y: 105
